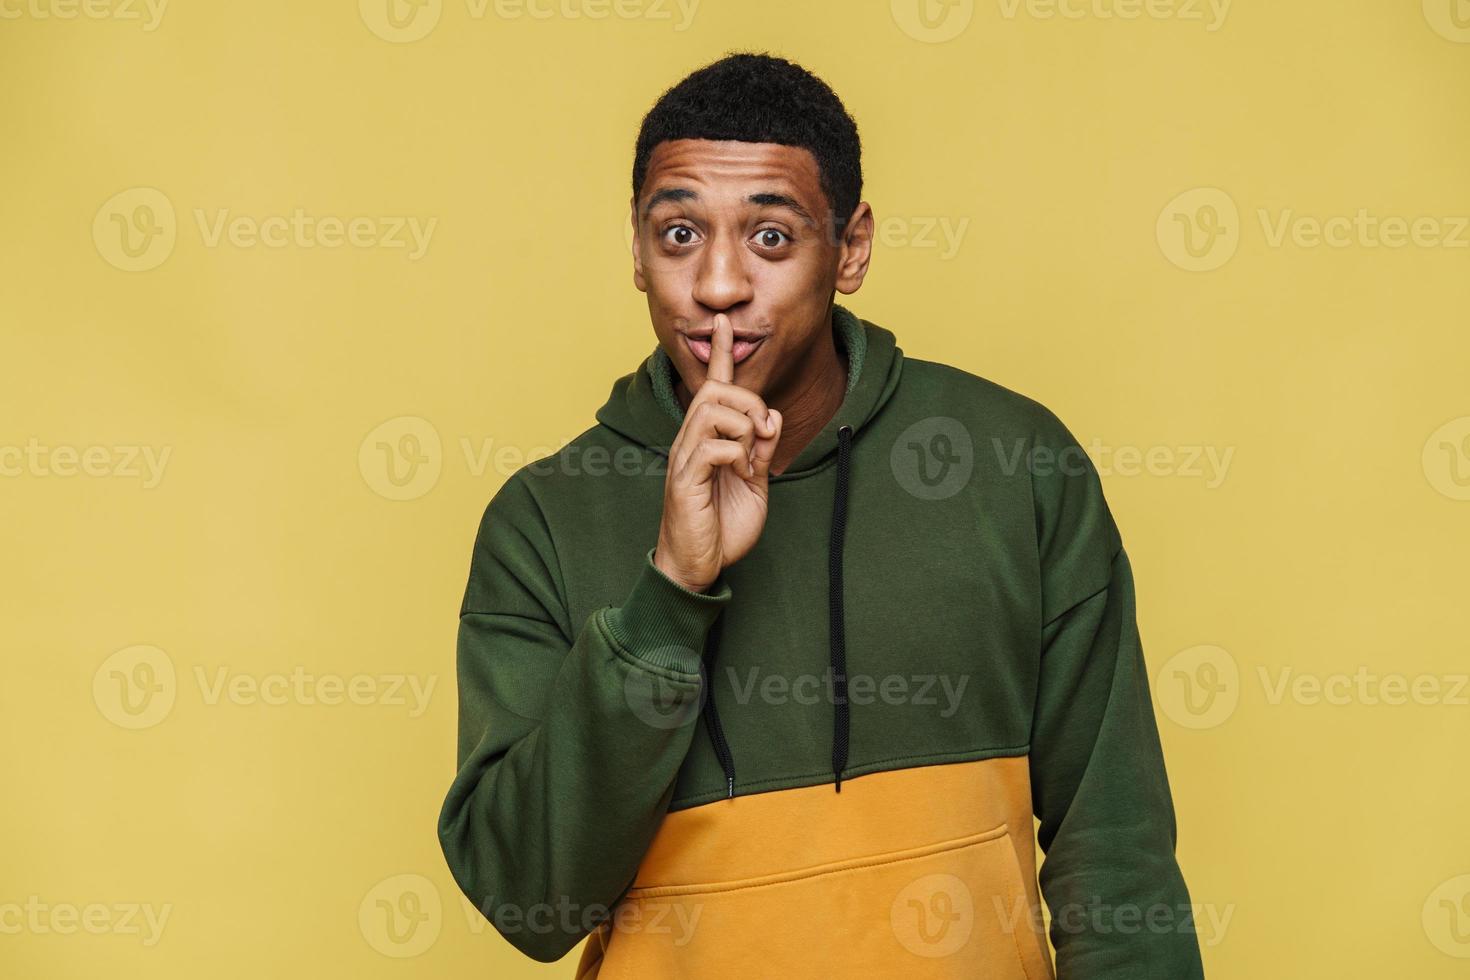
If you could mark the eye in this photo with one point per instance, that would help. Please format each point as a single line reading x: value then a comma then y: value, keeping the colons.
x: 771, y: 238
x: 680, y: 235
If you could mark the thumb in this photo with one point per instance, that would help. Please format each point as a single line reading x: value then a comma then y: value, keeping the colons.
x: 765, y: 448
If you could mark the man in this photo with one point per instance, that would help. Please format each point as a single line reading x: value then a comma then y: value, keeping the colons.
x: 891, y: 589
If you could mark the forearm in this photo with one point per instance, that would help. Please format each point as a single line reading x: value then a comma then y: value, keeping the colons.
x: 549, y: 816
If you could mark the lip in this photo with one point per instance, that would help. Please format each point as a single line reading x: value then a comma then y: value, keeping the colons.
x: 739, y: 350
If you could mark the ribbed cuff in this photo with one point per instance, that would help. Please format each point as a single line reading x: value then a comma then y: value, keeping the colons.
x: 663, y: 623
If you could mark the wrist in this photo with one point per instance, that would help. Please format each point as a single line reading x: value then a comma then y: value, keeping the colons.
x: 674, y: 575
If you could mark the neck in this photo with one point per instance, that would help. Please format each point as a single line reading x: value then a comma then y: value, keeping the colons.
x: 807, y: 405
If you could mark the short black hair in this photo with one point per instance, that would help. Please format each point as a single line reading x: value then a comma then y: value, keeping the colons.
x: 759, y: 98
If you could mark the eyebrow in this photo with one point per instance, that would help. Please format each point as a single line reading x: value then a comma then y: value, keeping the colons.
x: 765, y: 199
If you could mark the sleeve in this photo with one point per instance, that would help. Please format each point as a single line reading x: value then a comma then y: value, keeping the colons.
x: 568, y: 745
x: 1119, y: 906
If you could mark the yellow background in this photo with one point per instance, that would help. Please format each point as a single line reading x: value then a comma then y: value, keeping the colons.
x: 1333, y: 545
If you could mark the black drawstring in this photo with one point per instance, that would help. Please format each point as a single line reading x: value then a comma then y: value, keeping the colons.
x: 842, y: 720
x: 711, y: 714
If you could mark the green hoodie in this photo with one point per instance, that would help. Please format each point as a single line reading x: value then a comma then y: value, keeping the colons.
x: 828, y: 762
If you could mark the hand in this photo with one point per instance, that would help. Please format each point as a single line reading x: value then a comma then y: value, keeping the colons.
x: 717, y: 489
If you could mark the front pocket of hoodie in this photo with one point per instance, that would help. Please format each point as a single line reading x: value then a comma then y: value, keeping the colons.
x: 951, y: 909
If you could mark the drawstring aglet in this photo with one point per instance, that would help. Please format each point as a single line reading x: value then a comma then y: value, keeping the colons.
x: 730, y: 786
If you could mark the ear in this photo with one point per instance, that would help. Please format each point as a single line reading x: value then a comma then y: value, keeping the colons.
x: 855, y: 249
x: 638, y: 279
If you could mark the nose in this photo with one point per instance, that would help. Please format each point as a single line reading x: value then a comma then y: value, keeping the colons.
x: 721, y: 279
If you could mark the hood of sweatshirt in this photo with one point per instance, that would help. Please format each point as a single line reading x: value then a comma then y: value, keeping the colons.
x: 644, y: 408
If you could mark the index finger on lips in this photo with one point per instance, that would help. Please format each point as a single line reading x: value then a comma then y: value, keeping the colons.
x: 721, y: 356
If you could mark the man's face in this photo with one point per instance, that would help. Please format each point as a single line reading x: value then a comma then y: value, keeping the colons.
x: 742, y: 229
